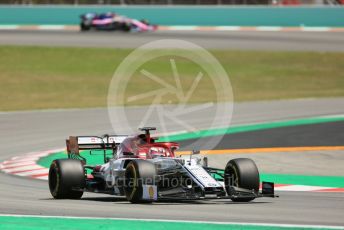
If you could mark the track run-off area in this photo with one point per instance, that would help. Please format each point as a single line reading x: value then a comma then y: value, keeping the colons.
x: 318, y: 164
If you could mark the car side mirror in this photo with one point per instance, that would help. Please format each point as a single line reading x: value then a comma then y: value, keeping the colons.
x: 194, y: 152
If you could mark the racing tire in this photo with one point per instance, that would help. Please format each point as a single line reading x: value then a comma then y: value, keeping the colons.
x: 66, y: 179
x: 84, y: 27
x: 242, y: 173
x: 126, y: 27
x: 137, y: 173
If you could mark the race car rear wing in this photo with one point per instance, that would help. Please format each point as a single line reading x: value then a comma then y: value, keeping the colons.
x: 76, y: 143
x: 107, y: 142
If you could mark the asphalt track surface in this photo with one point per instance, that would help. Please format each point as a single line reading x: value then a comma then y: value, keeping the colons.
x: 239, y: 40
x: 324, y: 134
x: 23, y: 132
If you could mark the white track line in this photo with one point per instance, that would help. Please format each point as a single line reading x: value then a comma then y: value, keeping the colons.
x: 23, y: 168
x: 51, y: 27
x: 41, y: 177
x: 228, y: 28
x: 269, y: 28
x: 15, y: 165
x: 33, y: 173
x: 26, y: 165
x: 301, y: 188
x: 9, y: 27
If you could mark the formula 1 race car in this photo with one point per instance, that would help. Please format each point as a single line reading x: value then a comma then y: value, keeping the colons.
x: 144, y: 170
x: 112, y: 21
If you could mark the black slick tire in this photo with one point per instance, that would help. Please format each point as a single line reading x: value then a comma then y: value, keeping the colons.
x: 242, y: 173
x: 66, y: 179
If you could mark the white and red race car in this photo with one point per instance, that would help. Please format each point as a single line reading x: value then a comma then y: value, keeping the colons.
x: 144, y: 170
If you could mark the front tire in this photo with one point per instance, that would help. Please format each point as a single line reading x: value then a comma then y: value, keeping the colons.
x: 66, y: 179
x: 242, y: 173
x: 84, y: 27
x: 137, y: 173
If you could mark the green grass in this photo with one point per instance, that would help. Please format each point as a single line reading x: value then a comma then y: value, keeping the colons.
x: 39, y: 78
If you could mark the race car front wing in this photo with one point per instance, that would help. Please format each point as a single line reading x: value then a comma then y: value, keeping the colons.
x: 267, y: 191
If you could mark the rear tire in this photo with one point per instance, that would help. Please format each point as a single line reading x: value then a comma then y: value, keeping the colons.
x: 126, y: 27
x: 66, y: 179
x: 242, y: 173
x: 137, y: 173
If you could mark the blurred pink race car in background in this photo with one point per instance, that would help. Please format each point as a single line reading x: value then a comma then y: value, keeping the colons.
x: 111, y: 21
